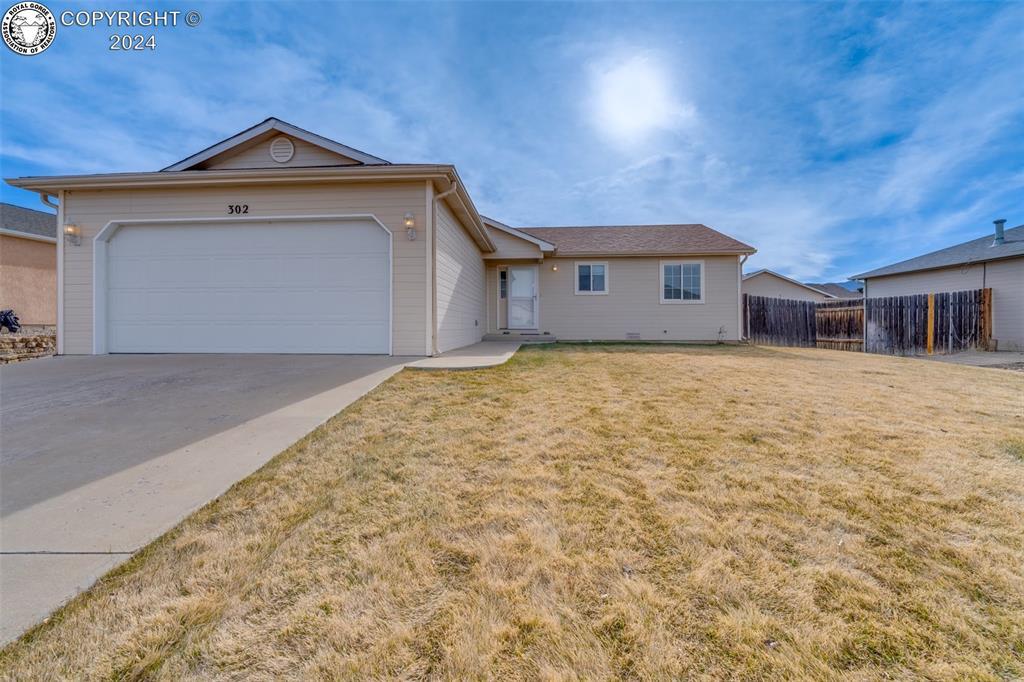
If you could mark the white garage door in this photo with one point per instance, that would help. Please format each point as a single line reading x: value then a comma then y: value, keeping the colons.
x: 249, y: 287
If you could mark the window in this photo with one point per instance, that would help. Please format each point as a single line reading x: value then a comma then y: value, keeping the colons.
x: 591, y: 278
x: 682, y: 281
x: 503, y: 283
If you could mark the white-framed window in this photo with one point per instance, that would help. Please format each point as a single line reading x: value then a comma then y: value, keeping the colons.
x: 591, y: 278
x: 682, y: 281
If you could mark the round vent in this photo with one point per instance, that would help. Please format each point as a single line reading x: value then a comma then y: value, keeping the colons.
x: 282, y: 149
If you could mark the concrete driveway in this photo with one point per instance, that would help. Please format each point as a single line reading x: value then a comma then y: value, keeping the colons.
x: 100, y: 455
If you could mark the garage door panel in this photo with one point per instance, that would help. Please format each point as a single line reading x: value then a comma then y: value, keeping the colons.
x: 265, y: 287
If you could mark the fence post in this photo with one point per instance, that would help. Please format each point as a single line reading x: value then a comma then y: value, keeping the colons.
x: 986, y: 320
x: 931, y: 323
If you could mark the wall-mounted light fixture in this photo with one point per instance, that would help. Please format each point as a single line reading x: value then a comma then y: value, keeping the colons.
x: 554, y: 268
x: 410, y: 226
x: 73, y: 235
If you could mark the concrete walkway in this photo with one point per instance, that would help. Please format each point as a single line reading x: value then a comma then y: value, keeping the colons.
x: 980, y: 358
x: 477, y: 356
x: 103, y: 454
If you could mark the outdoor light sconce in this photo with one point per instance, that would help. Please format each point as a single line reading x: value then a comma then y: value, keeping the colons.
x: 554, y: 268
x: 73, y: 235
x: 410, y: 226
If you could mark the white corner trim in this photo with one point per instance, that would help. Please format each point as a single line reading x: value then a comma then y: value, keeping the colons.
x: 27, y: 235
x: 576, y: 278
x: 60, y: 272
x: 103, y: 237
x: 673, y: 301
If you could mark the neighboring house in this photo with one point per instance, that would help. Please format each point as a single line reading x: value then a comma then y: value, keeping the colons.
x: 280, y: 240
x: 773, y: 285
x: 995, y: 261
x: 837, y: 290
x: 28, y: 264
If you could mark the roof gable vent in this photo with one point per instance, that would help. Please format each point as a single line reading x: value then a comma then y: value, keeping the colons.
x: 281, y: 149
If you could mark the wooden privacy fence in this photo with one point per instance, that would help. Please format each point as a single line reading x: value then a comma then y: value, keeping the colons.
x: 897, y: 325
x: 839, y: 325
x: 779, y: 321
x: 929, y: 323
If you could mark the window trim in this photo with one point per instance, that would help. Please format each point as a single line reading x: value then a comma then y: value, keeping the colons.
x: 576, y: 278
x: 502, y: 284
x: 679, y: 301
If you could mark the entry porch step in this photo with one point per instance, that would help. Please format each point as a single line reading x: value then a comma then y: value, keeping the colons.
x: 521, y: 337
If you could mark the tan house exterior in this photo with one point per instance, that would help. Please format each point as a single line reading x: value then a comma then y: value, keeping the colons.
x: 28, y: 265
x: 993, y: 261
x: 279, y: 240
x: 773, y: 285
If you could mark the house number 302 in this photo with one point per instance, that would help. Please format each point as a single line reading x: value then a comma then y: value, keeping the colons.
x: 236, y: 209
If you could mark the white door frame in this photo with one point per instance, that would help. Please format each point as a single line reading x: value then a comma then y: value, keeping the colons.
x: 103, y: 237
x: 536, y: 295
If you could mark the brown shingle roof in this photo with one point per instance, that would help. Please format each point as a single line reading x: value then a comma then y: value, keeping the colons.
x: 624, y: 240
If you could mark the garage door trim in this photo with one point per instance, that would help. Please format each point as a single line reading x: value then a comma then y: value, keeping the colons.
x: 103, y: 237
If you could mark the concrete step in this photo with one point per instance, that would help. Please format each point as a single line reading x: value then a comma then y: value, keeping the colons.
x: 521, y: 337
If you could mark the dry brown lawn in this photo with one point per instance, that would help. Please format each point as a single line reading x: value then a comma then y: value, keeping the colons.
x: 599, y: 512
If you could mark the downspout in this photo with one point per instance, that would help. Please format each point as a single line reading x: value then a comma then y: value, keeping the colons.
x: 45, y: 198
x: 433, y: 270
x: 739, y: 292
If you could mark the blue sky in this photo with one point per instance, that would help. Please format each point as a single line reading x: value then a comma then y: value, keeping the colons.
x: 832, y: 137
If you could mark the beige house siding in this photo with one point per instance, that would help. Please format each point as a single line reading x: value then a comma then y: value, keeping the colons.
x: 632, y: 307
x: 28, y: 279
x: 389, y: 202
x: 767, y: 284
x: 510, y: 248
x: 258, y: 156
x: 461, y: 307
x: 1005, y: 278
x: 959, y: 278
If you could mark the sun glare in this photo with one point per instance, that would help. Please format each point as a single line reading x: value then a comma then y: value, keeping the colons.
x: 634, y: 98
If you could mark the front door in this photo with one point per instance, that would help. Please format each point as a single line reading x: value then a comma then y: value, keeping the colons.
x: 522, y: 297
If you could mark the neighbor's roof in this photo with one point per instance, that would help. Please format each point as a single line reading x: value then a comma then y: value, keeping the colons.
x: 17, y: 219
x: 836, y: 289
x: 626, y: 240
x: 766, y: 271
x: 974, y: 251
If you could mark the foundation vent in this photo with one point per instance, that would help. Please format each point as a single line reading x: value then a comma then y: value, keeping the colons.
x: 281, y: 149
x: 632, y: 335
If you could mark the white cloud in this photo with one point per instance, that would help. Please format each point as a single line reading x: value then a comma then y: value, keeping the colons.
x: 634, y: 97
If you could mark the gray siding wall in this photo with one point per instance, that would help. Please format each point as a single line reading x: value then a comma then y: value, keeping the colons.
x: 461, y: 306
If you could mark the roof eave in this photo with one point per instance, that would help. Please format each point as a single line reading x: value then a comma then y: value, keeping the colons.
x: 18, y: 234
x: 264, y: 127
x: 871, y: 274
x: 650, y: 254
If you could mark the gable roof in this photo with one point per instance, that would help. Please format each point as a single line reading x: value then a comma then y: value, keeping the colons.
x: 267, y: 126
x: 975, y: 251
x: 636, y: 240
x: 837, y: 290
x: 26, y: 221
x: 545, y: 247
x: 765, y: 271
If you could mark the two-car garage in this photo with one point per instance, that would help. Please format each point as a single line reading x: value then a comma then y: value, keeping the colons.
x: 302, y: 285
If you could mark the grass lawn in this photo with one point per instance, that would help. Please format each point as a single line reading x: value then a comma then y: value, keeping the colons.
x: 596, y: 512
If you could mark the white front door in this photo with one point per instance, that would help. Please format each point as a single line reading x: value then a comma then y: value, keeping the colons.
x: 522, y: 297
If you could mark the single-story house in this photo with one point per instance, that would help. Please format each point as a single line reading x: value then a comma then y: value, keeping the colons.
x: 995, y: 261
x: 837, y: 290
x: 279, y: 240
x: 773, y: 285
x: 28, y: 265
